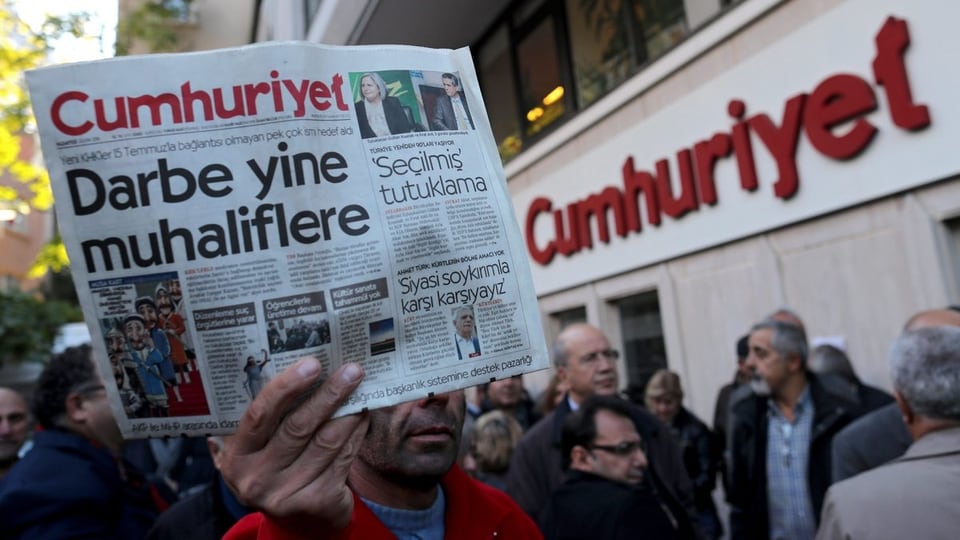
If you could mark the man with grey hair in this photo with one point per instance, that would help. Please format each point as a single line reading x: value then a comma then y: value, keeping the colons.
x: 585, y: 360
x: 468, y: 344
x: 779, y: 439
x: 916, y: 494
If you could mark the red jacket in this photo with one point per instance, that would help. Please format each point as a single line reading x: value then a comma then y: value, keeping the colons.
x: 474, y: 511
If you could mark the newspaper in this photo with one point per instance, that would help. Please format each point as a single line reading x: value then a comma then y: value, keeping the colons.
x: 229, y: 212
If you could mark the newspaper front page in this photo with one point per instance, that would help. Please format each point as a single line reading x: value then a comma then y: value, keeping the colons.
x: 229, y: 212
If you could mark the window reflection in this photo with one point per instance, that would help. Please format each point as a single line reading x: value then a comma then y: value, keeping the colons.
x: 539, y: 69
x: 568, y: 54
x: 496, y: 75
x: 662, y: 25
x: 600, y: 46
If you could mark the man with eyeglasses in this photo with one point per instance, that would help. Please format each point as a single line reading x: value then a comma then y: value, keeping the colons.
x: 72, y: 483
x: 585, y: 360
x: 607, y: 493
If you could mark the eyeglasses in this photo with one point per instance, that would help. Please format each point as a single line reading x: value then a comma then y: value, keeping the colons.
x: 609, y: 354
x: 625, y: 448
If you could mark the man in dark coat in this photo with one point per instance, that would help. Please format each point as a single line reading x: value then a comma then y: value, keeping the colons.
x: 829, y: 360
x: 610, y: 493
x: 73, y: 484
x: 787, y: 423
x: 206, y: 514
x: 584, y: 358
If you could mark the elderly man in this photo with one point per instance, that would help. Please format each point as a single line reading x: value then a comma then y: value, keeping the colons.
x: 387, y: 473
x: 881, y: 436
x: 779, y: 440
x: 583, y: 358
x: 915, y: 496
x: 468, y: 345
x: 14, y: 427
x: 452, y: 112
x: 72, y: 484
x: 608, y: 493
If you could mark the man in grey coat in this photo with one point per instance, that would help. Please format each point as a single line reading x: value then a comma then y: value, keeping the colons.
x: 881, y: 436
x: 915, y: 496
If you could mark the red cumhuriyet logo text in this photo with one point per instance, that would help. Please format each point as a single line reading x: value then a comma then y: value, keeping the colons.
x: 74, y: 113
x: 838, y: 99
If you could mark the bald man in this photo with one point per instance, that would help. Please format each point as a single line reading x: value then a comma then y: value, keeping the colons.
x: 14, y: 427
x: 881, y: 436
x: 585, y: 360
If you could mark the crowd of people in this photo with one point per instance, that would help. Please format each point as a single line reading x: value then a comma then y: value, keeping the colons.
x: 803, y: 450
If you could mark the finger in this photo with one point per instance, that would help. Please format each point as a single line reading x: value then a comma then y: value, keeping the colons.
x: 329, y: 494
x: 322, y: 469
x: 266, y: 412
x: 306, y: 487
x: 301, y: 424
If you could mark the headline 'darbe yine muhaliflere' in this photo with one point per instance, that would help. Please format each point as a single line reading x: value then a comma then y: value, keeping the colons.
x: 243, y: 229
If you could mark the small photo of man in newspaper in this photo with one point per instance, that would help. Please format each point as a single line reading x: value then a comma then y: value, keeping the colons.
x: 450, y: 110
x: 465, y: 336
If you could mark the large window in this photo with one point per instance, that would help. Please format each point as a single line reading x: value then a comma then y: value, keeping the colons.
x: 495, y: 65
x: 642, y: 332
x: 602, y: 46
x: 548, y: 59
x: 540, y: 75
x: 952, y: 229
x: 565, y: 318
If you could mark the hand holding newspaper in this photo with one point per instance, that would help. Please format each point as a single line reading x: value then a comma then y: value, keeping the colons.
x: 228, y: 212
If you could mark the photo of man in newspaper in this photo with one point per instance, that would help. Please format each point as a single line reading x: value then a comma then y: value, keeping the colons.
x: 465, y: 336
x: 451, y: 112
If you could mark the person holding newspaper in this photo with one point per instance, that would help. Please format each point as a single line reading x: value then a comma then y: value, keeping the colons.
x: 379, y: 114
x: 385, y: 473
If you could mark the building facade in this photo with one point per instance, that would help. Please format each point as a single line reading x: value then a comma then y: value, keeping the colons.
x: 704, y: 163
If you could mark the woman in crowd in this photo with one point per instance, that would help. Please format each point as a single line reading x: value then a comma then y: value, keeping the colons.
x: 664, y: 398
x: 256, y: 380
x: 491, y: 444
